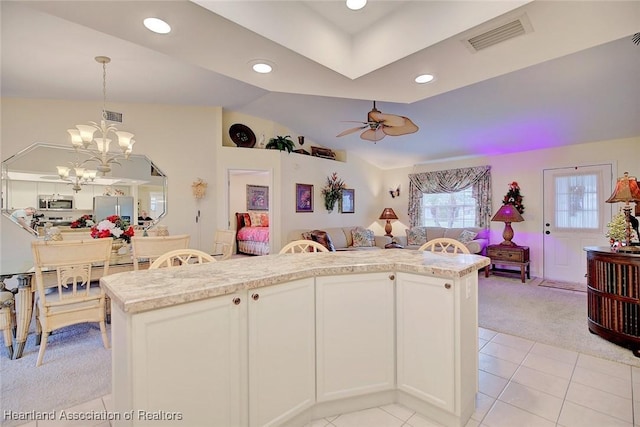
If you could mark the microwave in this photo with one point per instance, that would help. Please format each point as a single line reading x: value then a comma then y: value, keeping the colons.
x: 56, y: 202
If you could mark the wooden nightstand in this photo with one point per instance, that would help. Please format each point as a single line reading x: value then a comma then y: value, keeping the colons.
x: 508, y: 255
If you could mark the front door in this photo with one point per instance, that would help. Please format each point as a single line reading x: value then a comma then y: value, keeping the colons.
x: 575, y: 216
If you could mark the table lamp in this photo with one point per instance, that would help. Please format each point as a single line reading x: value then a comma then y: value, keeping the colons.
x: 388, y: 214
x: 507, y: 214
x: 626, y: 191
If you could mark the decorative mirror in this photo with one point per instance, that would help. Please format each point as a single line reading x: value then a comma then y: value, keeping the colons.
x: 61, y: 185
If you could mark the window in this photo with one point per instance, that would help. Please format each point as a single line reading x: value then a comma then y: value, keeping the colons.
x: 449, y: 209
x: 577, y: 201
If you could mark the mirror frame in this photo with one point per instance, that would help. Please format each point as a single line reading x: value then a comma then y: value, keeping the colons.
x: 125, y: 171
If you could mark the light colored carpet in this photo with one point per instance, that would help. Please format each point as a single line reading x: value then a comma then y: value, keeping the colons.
x: 570, y: 286
x: 547, y: 315
x: 77, y: 368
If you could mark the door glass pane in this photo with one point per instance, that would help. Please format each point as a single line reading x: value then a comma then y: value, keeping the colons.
x: 577, y: 202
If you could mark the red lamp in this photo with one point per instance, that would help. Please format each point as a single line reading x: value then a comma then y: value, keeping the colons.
x: 507, y: 214
x: 388, y: 214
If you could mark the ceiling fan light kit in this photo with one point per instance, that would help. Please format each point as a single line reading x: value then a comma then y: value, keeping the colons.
x: 381, y: 125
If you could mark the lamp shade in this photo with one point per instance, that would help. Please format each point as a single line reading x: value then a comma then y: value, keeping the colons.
x: 626, y: 190
x: 388, y: 213
x: 507, y: 213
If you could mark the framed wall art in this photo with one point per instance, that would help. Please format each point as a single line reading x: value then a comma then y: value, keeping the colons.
x: 347, y: 204
x: 257, y: 198
x: 304, y: 198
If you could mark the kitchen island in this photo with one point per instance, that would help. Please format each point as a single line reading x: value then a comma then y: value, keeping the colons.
x: 284, y: 339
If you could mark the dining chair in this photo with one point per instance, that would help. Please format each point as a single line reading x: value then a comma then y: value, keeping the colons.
x: 7, y: 319
x: 153, y: 246
x: 444, y: 244
x: 180, y: 257
x: 223, y: 242
x: 303, y: 246
x: 76, y: 300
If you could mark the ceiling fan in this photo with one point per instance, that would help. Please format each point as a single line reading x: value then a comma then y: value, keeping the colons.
x: 379, y: 125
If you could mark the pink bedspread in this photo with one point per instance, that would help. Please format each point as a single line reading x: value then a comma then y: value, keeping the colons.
x: 254, y: 234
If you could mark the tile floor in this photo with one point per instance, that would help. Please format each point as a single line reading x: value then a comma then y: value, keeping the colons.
x: 522, y: 383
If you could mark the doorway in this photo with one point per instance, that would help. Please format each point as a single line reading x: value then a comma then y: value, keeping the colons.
x: 575, y: 216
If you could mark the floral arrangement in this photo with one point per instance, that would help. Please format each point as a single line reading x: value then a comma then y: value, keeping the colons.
x: 514, y: 198
x: 332, y: 191
x: 83, y: 222
x: 617, y: 228
x: 113, y: 226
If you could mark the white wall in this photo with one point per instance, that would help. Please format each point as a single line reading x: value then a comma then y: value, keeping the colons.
x: 527, y: 169
x: 180, y: 140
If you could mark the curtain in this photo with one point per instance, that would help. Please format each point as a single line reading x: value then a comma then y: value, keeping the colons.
x: 451, y: 181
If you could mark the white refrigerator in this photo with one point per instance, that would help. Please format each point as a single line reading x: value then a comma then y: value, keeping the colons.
x: 104, y: 206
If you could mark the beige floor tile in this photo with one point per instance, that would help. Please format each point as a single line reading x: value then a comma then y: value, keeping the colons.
x: 374, y: 417
x: 322, y: 422
x: 613, y: 369
x: 532, y: 400
x: 513, y: 341
x: 601, y: 401
x: 483, y: 404
x: 574, y: 415
x: 398, y: 411
x: 505, y: 415
x: 486, y: 334
x: 541, y: 381
x: 511, y: 354
x: 418, y: 420
x: 77, y: 415
x: 549, y: 366
x: 555, y: 353
x: 490, y: 384
x: 614, y: 385
x: 494, y: 365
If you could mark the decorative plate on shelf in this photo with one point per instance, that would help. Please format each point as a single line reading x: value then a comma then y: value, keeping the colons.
x: 242, y: 136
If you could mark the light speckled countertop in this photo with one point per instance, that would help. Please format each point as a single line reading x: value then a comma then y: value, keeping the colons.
x: 138, y: 291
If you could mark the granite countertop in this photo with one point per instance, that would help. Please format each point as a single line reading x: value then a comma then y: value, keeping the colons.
x: 137, y: 291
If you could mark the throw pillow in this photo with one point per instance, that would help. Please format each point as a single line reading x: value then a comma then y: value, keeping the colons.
x: 362, y: 238
x: 256, y: 218
x: 323, y: 238
x: 416, y: 236
x: 467, y: 236
x: 246, y: 219
x: 264, y: 220
x: 306, y: 235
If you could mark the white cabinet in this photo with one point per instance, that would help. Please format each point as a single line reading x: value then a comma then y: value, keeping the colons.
x: 355, y: 335
x: 186, y: 358
x: 437, y: 340
x: 84, y: 198
x: 281, y: 351
x: 23, y: 194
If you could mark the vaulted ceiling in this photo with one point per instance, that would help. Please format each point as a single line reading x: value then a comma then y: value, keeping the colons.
x: 571, y: 77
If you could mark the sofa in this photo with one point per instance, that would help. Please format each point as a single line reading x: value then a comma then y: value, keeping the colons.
x: 342, y: 238
x: 474, y: 238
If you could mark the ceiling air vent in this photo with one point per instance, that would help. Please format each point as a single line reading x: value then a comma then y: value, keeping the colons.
x: 112, y: 116
x: 499, y: 34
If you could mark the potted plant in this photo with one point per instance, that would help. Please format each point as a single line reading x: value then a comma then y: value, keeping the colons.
x: 281, y: 143
x: 332, y: 191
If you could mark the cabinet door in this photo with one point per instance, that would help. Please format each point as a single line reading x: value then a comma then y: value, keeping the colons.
x: 84, y: 198
x: 23, y: 194
x: 281, y: 352
x: 190, y: 350
x: 355, y: 334
x: 425, y: 338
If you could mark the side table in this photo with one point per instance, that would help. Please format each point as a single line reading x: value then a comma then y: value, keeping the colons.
x: 509, y: 255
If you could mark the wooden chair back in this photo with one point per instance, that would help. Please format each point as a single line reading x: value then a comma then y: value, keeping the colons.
x: 303, y: 246
x: 153, y: 246
x: 180, y: 257
x: 223, y: 244
x: 444, y: 244
x: 75, y: 301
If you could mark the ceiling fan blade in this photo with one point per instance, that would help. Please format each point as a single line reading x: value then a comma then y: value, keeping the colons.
x: 388, y: 119
x: 373, y: 135
x: 407, y: 128
x: 350, y: 131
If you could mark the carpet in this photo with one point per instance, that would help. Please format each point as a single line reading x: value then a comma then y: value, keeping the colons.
x: 76, y: 368
x: 548, y: 315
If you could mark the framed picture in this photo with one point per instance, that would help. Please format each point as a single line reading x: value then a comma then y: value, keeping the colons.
x: 347, y: 204
x: 304, y: 198
x: 257, y: 198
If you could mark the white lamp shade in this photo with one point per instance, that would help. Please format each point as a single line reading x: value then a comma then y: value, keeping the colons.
x: 90, y: 174
x: 103, y: 144
x: 86, y: 132
x: 63, y: 171
x: 124, y: 139
x: 79, y: 172
x: 76, y: 140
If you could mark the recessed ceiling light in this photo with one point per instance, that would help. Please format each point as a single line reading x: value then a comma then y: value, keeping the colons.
x: 424, y: 78
x: 356, y: 4
x: 157, y: 25
x: 262, y: 66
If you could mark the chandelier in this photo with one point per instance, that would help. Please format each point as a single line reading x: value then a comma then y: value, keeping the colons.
x: 82, y: 136
x: 80, y: 176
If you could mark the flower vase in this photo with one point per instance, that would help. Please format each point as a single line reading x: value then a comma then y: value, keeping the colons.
x: 116, y: 245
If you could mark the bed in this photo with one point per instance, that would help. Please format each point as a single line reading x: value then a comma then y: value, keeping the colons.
x: 252, y: 232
